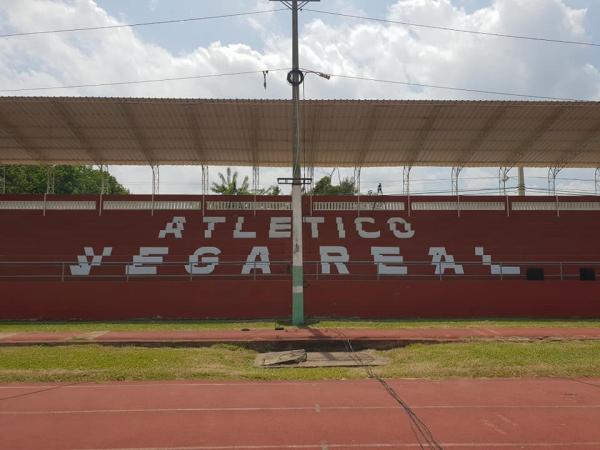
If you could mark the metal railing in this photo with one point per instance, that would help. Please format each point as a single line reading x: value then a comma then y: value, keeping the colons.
x: 317, y: 203
x: 313, y: 269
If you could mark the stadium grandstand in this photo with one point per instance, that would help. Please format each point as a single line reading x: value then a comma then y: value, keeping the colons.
x: 211, y: 256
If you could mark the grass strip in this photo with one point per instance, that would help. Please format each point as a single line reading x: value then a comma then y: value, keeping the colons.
x: 95, y: 363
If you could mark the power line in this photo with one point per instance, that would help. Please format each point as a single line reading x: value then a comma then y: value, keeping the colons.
x: 458, y: 30
x: 140, y: 24
x: 452, y: 88
x: 155, y: 80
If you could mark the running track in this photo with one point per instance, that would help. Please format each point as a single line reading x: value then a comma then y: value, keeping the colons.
x: 462, y: 414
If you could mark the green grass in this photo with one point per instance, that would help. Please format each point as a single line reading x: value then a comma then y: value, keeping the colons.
x: 159, y: 325
x: 228, y: 362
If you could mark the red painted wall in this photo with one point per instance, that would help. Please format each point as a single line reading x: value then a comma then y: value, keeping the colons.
x: 523, y: 238
x: 109, y: 300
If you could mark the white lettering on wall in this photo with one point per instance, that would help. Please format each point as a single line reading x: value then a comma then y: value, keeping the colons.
x: 212, y: 221
x: 340, y: 228
x: 496, y: 269
x: 442, y: 261
x: 209, y: 261
x: 314, y: 225
x: 408, y: 231
x: 281, y: 227
x: 85, y: 264
x: 360, y: 230
x: 387, y: 260
x: 239, y: 234
x: 260, y: 254
x: 175, y: 227
x: 148, y: 255
x: 336, y: 255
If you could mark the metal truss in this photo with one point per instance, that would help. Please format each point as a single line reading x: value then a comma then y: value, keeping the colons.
x: 454, y: 176
x: 49, y: 179
x: 104, y: 180
x: 357, y: 171
x: 552, y: 174
x: 309, y: 173
x: 406, y: 180
x: 155, y: 180
x: 255, y: 179
x: 204, y: 181
x: 503, y: 178
x: 2, y: 179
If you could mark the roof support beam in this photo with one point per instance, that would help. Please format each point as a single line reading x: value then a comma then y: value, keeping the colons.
x: 549, y: 121
x: 193, y: 123
x: 204, y: 181
x: 424, y: 134
x: 406, y: 180
x: 503, y: 178
x: 488, y: 128
x: 310, y: 148
x: 62, y: 111
x: 579, y: 147
x: 552, y: 174
x: 455, y: 174
x: 134, y: 127
x: 253, y: 124
x: 368, y: 135
x: 9, y: 130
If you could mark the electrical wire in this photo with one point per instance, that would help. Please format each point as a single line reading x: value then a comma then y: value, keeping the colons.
x: 457, y: 30
x: 423, y: 434
x: 129, y: 82
x: 140, y: 24
x: 460, y: 89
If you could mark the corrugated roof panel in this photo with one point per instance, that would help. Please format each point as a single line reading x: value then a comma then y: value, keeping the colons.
x: 342, y: 133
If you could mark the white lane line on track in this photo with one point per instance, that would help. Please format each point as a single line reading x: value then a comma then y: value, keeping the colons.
x: 315, y: 408
x: 7, y: 335
x: 367, y: 445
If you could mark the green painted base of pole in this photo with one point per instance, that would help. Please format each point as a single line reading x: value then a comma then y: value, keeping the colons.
x: 297, y: 296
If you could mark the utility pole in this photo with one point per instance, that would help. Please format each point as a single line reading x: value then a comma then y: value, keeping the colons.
x: 296, y: 78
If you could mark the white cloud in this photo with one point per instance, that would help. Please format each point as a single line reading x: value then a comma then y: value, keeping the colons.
x: 347, y: 47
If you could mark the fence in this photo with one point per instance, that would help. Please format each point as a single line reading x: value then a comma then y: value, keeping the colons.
x: 65, y: 271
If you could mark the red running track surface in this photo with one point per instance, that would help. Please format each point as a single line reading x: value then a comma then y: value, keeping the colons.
x: 461, y: 414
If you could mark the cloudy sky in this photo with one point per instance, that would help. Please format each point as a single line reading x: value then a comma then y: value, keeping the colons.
x: 330, y: 44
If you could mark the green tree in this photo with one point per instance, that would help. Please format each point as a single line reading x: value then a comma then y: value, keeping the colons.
x: 271, y: 190
x: 324, y: 187
x: 228, y: 184
x: 21, y: 179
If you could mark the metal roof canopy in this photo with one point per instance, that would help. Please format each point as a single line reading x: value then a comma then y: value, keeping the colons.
x: 365, y: 133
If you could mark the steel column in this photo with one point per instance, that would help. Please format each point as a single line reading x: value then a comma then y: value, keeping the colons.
x: 552, y: 174
x: 502, y: 179
x: 455, y: 174
x: 3, y: 180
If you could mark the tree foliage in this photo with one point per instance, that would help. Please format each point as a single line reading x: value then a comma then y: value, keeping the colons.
x: 271, y: 190
x: 324, y: 187
x: 21, y: 179
x: 228, y: 184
